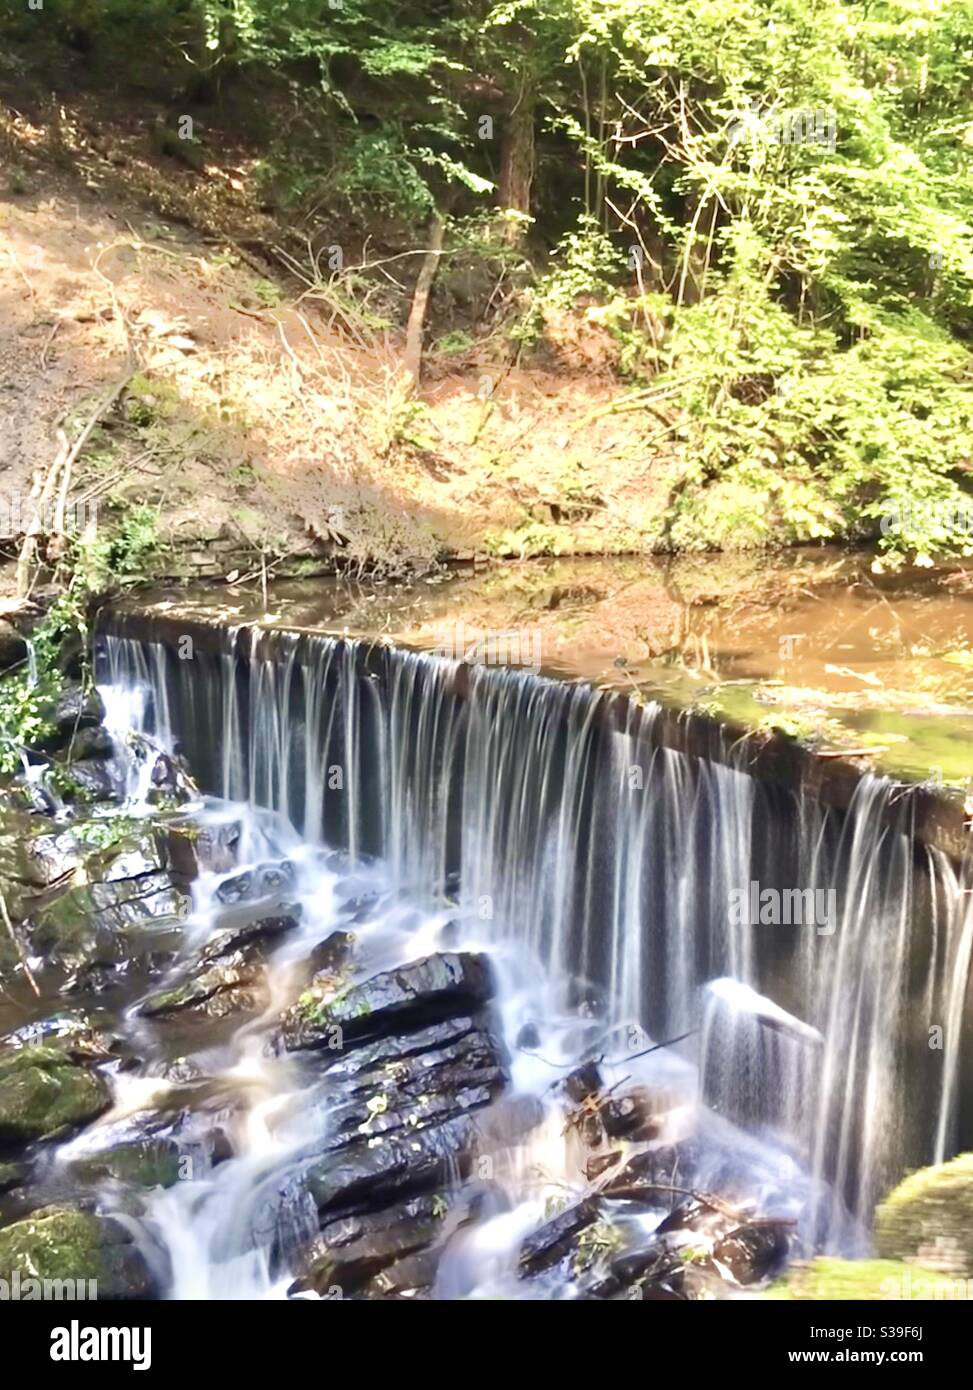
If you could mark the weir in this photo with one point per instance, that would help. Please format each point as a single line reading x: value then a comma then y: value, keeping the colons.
x: 564, y: 820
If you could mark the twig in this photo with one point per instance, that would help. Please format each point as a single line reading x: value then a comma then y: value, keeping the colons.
x: 60, y: 469
x: 22, y: 955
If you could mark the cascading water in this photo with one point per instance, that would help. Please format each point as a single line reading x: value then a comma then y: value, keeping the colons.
x: 598, y: 867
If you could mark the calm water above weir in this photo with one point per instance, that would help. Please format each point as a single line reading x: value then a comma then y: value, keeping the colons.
x: 810, y: 641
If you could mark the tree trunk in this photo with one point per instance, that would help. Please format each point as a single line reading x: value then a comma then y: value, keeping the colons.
x: 517, y: 161
x: 412, y: 358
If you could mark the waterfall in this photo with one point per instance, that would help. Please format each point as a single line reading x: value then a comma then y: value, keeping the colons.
x: 612, y: 860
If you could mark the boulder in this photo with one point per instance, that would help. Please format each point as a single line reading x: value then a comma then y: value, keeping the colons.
x: 13, y: 647
x: 146, y: 1163
x: 89, y: 742
x: 633, y: 1114
x: 65, y: 1243
x: 42, y: 1094
x: 928, y: 1218
x: 584, y: 1081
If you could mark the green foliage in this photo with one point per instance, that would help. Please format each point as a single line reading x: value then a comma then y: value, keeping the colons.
x: 766, y: 210
x: 123, y: 554
x: 27, y: 695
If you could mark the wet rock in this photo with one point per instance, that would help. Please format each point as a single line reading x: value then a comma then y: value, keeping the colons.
x: 229, y: 987
x: 351, y: 1251
x: 75, y: 707
x: 259, y: 932
x: 65, y: 1243
x: 13, y: 648
x: 410, y: 1278
x: 529, y: 1038
x: 412, y: 1093
x: 421, y: 992
x: 752, y: 1253
x: 557, y: 1239
x: 361, y: 907
x: 32, y: 797
x: 584, y: 1081
x: 599, y: 1164
x: 71, y: 1029
x: 373, y: 1175
x: 226, y: 974
x: 145, y: 1163
x: 333, y: 953
x: 434, y: 1042
x: 715, y: 1243
x: 52, y: 857
x: 195, y: 847
x: 450, y: 935
x: 633, y: 1115
x: 90, y: 742
x: 587, y: 998
x: 98, y: 779
x: 265, y: 881
x: 42, y: 1093
x: 93, y: 923
x: 651, y: 1174
x: 170, y: 782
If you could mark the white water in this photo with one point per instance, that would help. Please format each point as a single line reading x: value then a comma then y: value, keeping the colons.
x: 596, y: 868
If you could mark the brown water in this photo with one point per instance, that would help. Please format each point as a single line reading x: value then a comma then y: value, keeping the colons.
x: 809, y: 641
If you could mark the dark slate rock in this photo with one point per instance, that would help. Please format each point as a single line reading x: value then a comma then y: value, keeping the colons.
x: 422, y: 992
x: 556, y: 1239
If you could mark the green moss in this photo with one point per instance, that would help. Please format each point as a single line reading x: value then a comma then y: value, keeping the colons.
x: 929, y: 1217
x: 41, y: 1093
x: 865, y: 1280
x: 152, y: 1163
x: 53, y: 1243
x: 11, y: 1175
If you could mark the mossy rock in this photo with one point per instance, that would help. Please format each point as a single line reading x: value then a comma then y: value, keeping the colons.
x: 53, y: 1243
x: 43, y: 1093
x: 869, y: 1281
x: 144, y: 1163
x: 67, y: 1243
x: 928, y: 1218
x: 11, y: 1176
